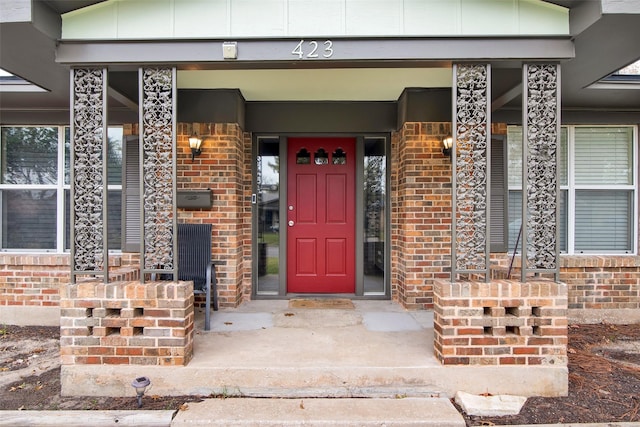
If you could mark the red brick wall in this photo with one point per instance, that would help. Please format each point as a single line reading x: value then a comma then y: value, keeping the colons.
x: 127, y: 323
x: 602, y: 282
x: 500, y: 323
x: 225, y: 167
x: 36, y: 280
x: 420, y: 212
x: 32, y: 279
x: 594, y: 282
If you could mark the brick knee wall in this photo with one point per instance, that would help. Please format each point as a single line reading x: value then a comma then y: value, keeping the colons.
x: 32, y: 280
x: 601, y: 282
x: 500, y: 323
x: 36, y: 279
x: 127, y: 323
x: 594, y: 282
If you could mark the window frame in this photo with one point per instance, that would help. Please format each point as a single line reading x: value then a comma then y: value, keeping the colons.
x: 570, y: 188
x: 61, y: 188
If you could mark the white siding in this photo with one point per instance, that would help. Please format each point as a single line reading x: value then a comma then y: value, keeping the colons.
x: 144, y: 19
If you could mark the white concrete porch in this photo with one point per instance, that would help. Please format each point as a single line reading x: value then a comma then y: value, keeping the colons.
x: 266, y: 349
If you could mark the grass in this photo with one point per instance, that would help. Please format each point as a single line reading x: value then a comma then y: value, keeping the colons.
x: 271, y: 238
x: 272, y: 265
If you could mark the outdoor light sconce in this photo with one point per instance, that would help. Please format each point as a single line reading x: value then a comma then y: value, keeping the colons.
x: 195, y: 143
x: 447, y: 146
x: 140, y: 384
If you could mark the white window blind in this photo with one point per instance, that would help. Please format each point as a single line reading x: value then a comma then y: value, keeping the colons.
x: 603, y: 156
x: 603, y: 221
x: 597, y: 201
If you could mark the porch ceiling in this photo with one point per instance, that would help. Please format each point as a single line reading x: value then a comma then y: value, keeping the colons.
x: 345, y: 84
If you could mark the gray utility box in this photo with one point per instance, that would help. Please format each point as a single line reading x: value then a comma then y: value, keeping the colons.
x: 195, y: 199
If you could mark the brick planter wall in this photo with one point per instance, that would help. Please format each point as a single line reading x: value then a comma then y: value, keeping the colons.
x: 127, y: 323
x: 500, y: 323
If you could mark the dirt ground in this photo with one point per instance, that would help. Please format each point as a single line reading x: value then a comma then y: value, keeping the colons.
x: 604, y: 379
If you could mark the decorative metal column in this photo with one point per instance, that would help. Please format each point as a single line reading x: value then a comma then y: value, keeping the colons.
x: 88, y: 234
x: 540, y: 195
x: 158, y: 244
x: 471, y: 169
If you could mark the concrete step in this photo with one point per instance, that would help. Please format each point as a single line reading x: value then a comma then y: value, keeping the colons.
x: 320, y: 412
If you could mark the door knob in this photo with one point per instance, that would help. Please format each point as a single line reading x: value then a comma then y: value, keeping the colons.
x: 290, y: 223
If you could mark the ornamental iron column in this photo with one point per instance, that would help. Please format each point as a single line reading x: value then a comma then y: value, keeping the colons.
x: 158, y: 245
x: 88, y: 194
x: 471, y: 169
x: 540, y: 195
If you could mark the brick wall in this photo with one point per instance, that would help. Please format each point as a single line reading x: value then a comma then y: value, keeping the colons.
x: 33, y: 280
x: 36, y: 280
x: 602, y: 282
x: 500, y: 323
x: 127, y: 323
x: 224, y: 167
x: 420, y: 212
x: 420, y: 231
x: 594, y: 282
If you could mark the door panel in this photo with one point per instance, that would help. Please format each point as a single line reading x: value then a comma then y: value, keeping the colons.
x: 321, y: 215
x: 336, y: 256
x: 306, y: 197
x: 336, y: 200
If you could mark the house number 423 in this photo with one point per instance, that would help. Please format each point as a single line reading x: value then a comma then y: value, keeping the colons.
x: 312, y: 49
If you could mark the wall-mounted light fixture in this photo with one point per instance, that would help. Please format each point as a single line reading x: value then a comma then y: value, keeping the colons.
x: 447, y: 146
x: 195, y: 142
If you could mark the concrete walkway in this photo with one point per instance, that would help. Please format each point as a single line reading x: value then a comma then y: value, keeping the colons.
x: 272, y: 412
x: 320, y: 412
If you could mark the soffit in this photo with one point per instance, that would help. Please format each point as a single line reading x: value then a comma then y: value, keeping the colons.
x: 348, y: 84
x: 65, y: 6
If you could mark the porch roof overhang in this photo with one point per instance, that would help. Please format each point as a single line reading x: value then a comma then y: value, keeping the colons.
x: 360, y: 69
x: 602, y: 40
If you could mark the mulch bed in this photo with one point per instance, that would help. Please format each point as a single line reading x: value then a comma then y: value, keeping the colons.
x: 604, y: 383
x: 602, y: 387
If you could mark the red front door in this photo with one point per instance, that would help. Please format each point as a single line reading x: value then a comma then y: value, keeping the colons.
x: 320, y: 215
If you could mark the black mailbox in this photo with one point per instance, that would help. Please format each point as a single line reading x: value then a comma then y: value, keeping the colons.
x: 195, y: 199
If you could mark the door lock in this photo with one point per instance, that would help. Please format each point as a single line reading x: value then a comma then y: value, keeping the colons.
x: 290, y: 223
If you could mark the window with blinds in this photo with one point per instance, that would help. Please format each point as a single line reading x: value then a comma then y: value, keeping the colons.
x: 597, y: 188
x: 35, y: 170
x: 603, y: 221
x: 603, y: 156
